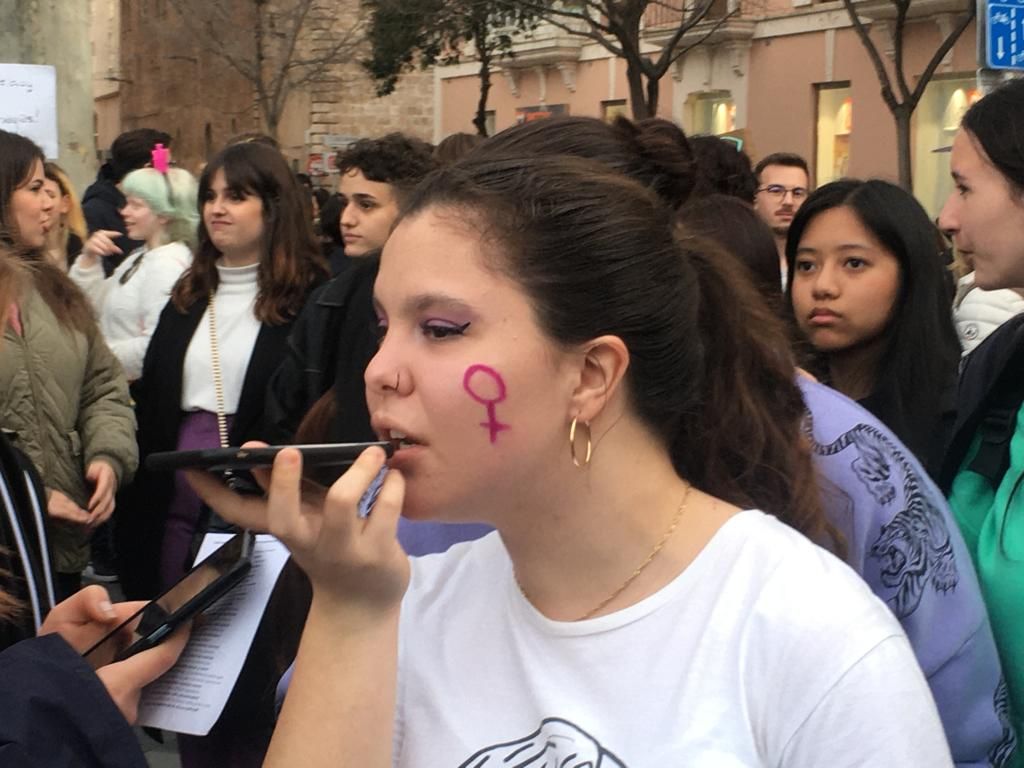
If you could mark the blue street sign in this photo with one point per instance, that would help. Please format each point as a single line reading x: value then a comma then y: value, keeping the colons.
x: 1004, y: 33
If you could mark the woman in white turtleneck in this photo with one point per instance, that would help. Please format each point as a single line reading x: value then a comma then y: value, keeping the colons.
x: 228, y: 320
x: 229, y: 316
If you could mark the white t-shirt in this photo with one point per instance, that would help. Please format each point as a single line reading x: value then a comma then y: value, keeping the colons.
x: 129, y: 311
x: 237, y: 329
x: 765, y: 651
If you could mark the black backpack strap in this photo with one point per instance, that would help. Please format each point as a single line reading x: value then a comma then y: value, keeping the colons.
x: 996, y: 429
x: 989, y: 397
x: 997, y: 425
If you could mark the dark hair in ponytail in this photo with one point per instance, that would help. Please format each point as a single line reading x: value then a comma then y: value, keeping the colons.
x: 752, y: 411
x: 736, y: 226
x: 710, y: 373
x: 654, y: 152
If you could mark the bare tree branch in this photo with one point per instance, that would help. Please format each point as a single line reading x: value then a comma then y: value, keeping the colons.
x: 276, y: 55
x: 592, y: 28
x: 618, y: 27
x: 902, y: 6
x: 682, y: 50
x: 902, y: 109
x: 696, y: 16
x: 941, y: 51
x: 873, y: 54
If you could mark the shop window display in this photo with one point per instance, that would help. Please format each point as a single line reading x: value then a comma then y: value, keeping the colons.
x: 936, y: 120
x: 834, y: 130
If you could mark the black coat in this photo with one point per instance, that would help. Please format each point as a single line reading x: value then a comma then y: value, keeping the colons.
x: 332, y: 342
x: 142, y: 507
x: 992, y: 377
x: 55, y: 712
x: 25, y: 571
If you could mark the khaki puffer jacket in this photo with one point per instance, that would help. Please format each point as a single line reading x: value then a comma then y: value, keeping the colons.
x: 65, y: 399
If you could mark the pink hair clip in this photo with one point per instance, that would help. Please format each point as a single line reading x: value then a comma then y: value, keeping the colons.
x: 161, y: 158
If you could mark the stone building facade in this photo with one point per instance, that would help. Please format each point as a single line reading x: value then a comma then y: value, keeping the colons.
x: 105, y: 39
x: 51, y: 32
x: 347, y: 107
x: 172, y: 82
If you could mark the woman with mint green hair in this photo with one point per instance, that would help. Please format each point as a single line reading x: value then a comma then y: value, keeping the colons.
x: 161, y: 210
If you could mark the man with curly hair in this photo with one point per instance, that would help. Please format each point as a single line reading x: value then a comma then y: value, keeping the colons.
x: 336, y: 334
x: 375, y: 175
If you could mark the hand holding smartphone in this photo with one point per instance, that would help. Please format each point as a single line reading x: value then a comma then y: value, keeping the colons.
x: 227, y: 459
x: 199, y: 589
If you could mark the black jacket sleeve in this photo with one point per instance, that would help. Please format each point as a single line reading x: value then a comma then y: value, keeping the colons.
x: 54, y: 711
x: 298, y: 381
x: 315, y: 344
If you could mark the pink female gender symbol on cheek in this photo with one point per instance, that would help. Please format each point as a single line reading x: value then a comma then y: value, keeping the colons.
x: 492, y: 422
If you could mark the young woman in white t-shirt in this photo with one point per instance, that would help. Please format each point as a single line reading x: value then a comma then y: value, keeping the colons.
x: 160, y: 209
x: 556, y: 363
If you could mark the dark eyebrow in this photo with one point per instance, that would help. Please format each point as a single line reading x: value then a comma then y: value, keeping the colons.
x: 957, y: 176
x: 843, y: 247
x: 363, y: 196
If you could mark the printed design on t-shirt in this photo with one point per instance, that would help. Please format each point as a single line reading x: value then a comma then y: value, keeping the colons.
x: 1006, y: 747
x: 556, y: 744
x: 914, y: 547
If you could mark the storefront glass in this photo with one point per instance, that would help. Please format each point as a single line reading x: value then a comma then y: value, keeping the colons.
x: 936, y: 121
x: 713, y: 112
x: 835, y: 126
x: 529, y: 114
x: 613, y: 109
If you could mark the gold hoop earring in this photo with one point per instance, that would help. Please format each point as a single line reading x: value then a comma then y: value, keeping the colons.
x: 572, y: 443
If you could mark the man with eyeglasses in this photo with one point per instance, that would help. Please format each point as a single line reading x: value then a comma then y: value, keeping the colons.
x: 782, y: 187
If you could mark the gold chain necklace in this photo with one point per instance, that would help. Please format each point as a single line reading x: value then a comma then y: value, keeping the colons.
x: 640, y: 568
x: 218, y: 380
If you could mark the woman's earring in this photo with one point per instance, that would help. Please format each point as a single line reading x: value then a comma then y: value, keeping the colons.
x: 572, y: 442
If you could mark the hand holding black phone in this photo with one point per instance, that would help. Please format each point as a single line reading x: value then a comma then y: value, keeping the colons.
x: 228, y: 459
x: 199, y: 589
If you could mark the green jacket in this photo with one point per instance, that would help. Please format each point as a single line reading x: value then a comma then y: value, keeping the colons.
x: 65, y: 399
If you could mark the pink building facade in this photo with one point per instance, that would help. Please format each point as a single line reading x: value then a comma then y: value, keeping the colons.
x: 794, y: 77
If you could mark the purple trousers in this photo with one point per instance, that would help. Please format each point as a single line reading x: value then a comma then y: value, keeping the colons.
x: 198, y: 431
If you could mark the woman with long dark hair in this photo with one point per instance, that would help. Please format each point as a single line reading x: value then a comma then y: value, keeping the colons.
x: 556, y: 363
x: 216, y: 343
x: 868, y: 292
x: 66, y: 398
x: 984, y: 466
